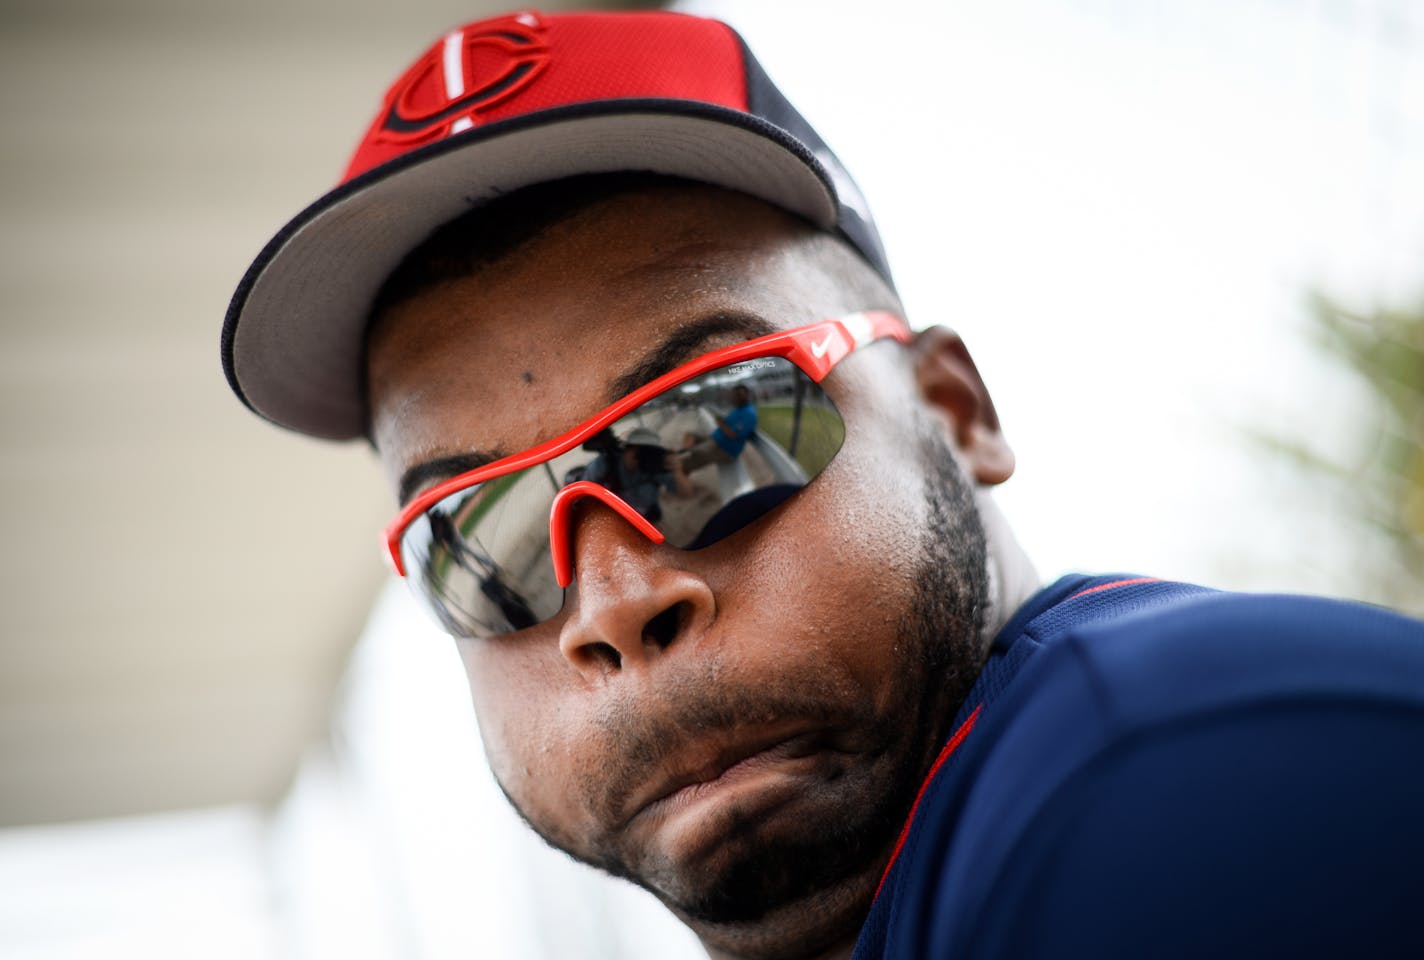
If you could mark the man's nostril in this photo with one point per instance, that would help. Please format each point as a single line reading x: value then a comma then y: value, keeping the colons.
x: 664, y: 627
x: 605, y: 654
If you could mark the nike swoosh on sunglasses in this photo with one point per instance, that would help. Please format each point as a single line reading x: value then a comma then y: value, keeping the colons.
x: 688, y: 459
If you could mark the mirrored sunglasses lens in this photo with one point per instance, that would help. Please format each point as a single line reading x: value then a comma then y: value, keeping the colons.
x: 480, y: 557
x: 699, y: 461
x: 720, y: 451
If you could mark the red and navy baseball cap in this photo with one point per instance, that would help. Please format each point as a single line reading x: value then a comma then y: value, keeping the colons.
x: 490, y: 108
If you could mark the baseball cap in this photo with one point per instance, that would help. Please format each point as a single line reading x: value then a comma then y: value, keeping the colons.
x: 490, y: 108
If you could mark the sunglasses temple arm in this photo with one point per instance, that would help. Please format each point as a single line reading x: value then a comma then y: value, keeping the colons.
x: 560, y: 529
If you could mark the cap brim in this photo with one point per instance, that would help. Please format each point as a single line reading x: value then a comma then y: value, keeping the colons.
x: 292, y: 342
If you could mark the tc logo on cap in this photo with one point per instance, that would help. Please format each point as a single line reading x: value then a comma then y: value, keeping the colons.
x: 469, y: 70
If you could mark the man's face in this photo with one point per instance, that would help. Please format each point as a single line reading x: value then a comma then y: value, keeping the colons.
x: 739, y: 728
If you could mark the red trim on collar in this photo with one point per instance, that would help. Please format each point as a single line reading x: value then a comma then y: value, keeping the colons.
x: 944, y: 755
x: 1116, y: 583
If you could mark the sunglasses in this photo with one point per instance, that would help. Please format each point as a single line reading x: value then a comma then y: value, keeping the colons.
x: 688, y: 459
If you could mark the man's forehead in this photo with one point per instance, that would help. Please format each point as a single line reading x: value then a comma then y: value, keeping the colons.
x: 517, y: 352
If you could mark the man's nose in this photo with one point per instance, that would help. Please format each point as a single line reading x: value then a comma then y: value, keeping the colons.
x: 628, y: 607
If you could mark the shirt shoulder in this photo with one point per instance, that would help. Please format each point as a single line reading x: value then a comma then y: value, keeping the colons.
x: 1167, y: 754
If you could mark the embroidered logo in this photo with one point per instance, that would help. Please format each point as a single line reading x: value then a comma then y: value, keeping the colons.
x: 470, y: 70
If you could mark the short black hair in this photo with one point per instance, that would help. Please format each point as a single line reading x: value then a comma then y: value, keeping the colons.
x: 496, y: 229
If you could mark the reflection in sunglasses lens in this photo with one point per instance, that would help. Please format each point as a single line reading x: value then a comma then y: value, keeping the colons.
x: 699, y: 461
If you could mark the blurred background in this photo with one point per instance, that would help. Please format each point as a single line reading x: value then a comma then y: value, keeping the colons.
x: 1185, y: 241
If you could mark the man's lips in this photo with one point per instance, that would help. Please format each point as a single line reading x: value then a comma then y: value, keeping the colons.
x: 697, y: 772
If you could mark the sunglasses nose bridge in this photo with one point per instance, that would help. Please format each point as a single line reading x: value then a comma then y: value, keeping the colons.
x: 560, y: 527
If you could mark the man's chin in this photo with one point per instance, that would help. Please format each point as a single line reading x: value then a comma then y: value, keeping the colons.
x: 800, y: 927
x: 756, y: 880
x: 736, y: 853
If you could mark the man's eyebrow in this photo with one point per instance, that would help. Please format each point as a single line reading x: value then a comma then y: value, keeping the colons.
x: 442, y: 469
x: 683, y: 345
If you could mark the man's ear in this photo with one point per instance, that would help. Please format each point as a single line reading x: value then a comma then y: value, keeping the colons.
x: 950, y: 383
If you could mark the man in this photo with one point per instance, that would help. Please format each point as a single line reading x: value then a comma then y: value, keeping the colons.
x: 829, y: 711
x: 725, y: 443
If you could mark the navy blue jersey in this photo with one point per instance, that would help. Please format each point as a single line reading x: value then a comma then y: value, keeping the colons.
x: 1151, y: 769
